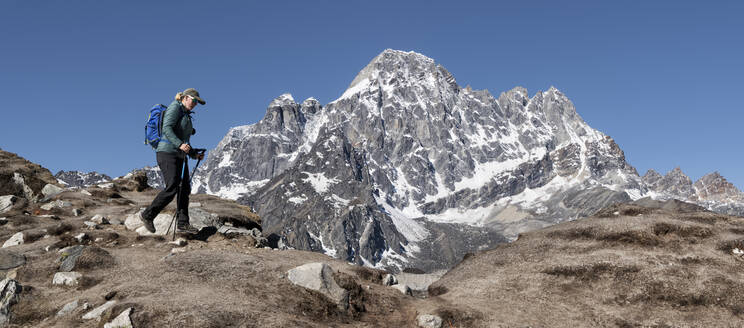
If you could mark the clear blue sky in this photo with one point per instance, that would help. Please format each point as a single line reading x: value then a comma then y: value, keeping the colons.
x: 664, y: 78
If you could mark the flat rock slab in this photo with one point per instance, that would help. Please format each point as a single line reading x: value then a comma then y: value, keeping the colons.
x: 14, y: 240
x: 10, y: 260
x: 68, y: 308
x: 319, y: 277
x: 97, y: 312
x: 121, y: 321
x: 69, y: 257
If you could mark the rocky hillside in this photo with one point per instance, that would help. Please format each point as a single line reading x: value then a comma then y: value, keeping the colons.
x: 643, y: 264
x: 80, y: 258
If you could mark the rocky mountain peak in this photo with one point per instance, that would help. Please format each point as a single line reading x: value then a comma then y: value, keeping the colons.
x: 714, y: 187
x: 283, y: 100
x: 393, y: 69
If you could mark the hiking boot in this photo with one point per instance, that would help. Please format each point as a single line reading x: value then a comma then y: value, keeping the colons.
x: 186, y: 228
x: 148, y: 224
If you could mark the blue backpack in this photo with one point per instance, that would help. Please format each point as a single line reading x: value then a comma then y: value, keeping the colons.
x: 154, y: 126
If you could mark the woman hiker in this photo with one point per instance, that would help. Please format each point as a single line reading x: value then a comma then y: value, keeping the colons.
x: 171, y: 154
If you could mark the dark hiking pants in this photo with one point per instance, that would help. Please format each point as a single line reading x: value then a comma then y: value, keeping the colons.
x: 171, y: 166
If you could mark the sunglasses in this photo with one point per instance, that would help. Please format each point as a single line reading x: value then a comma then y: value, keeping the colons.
x: 193, y: 100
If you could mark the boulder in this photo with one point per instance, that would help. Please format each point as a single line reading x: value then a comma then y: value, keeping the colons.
x: 69, y: 257
x: 403, y: 289
x: 161, y: 224
x: 16, y: 239
x: 389, y: 280
x: 97, y: 312
x: 10, y: 202
x: 200, y: 218
x: 66, y: 278
x: 68, y: 308
x: 51, y: 190
x: 99, y: 219
x: 9, y: 294
x: 121, y: 321
x: 429, y: 321
x: 319, y: 277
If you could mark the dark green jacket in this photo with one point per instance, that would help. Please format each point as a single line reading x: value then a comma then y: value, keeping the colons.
x: 177, y: 128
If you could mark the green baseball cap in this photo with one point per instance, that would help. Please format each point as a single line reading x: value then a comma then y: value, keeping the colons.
x: 192, y: 92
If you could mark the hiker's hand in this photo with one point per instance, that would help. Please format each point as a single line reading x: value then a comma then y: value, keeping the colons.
x: 200, y: 156
x: 185, y: 147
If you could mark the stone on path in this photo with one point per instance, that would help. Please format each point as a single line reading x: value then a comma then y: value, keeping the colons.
x: 429, y: 321
x: 14, y: 240
x: 99, y: 219
x: 66, y: 278
x: 121, y: 321
x: 97, y: 312
x: 319, y: 277
x: 161, y: 224
x: 403, y: 289
x: 70, y: 256
x: 69, y: 307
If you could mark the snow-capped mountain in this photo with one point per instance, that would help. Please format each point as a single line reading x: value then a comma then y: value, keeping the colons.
x: 82, y: 179
x: 406, y: 165
x: 712, y: 191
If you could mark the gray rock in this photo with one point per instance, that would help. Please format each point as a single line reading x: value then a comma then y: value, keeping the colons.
x: 68, y: 308
x: 9, y: 202
x: 16, y: 239
x: 91, y: 225
x: 77, y: 211
x: 10, y: 260
x: 403, y: 289
x: 121, y: 321
x: 51, y: 190
x: 10, y: 291
x: 97, y: 312
x: 3, y: 221
x: 319, y: 277
x: 389, y: 280
x: 55, y: 204
x: 162, y: 221
x: 85, y: 192
x: 69, y: 257
x: 81, y: 237
x: 429, y: 321
x: 66, y: 278
x: 99, y: 219
x: 180, y: 242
